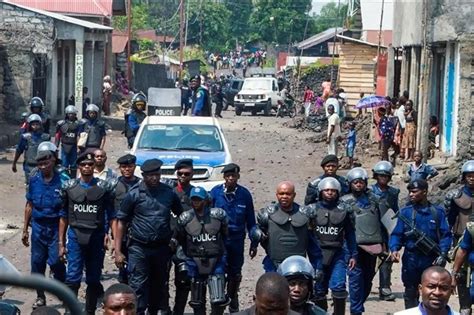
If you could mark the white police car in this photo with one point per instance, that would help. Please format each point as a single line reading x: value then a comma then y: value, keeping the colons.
x: 170, y: 138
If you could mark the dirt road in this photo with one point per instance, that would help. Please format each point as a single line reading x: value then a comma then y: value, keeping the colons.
x: 267, y: 153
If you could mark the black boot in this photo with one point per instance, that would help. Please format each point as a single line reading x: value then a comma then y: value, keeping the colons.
x: 321, y: 302
x: 198, y: 296
x: 92, y: 294
x: 233, y: 292
x: 411, y: 297
x: 385, y: 293
x: 75, y: 290
x: 181, y: 297
x: 339, y: 306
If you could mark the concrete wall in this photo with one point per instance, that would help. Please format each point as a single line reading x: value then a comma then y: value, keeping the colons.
x: 22, y: 34
x: 406, y: 22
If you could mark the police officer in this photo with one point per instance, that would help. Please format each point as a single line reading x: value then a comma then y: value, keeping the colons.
x: 89, y: 212
x: 284, y: 229
x: 461, y: 276
x: 237, y: 202
x: 48, y: 146
x: 219, y: 99
x: 330, y: 164
x: 95, y: 129
x: 28, y: 145
x: 125, y: 182
x: 300, y: 275
x: 369, y: 237
x: 147, y: 210
x: 183, y: 187
x: 334, y: 228
x: 428, y: 219
x: 36, y: 107
x: 201, y: 232
x: 134, y: 117
x: 43, y: 209
x: 382, y: 173
x: 201, y: 105
x: 67, y: 131
x: 459, y: 207
x: 186, y: 100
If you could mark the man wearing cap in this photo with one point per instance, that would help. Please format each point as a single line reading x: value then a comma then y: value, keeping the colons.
x: 428, y: 219
x: 201, y: 104
x: 146, y: 209
x: 201, y: 232
x: 237, y: 202
x: 43, y: 209
x: 183, y: 187
x: 330, y: 165
x: 88, y: 212
x: 124, y: 183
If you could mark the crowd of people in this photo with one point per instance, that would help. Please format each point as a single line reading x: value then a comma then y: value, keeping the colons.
x: 237, y: 59
x: 331, y: 243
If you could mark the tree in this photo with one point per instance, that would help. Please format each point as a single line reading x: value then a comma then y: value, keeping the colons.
x: 240, y: 11
x: 280, y: 21
x: 331, y: 15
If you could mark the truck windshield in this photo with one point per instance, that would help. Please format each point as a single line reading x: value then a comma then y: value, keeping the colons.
x: 181, y: 138
x: 257, y: 85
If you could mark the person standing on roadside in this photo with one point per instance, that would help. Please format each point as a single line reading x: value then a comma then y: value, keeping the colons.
x: 330, y: 165
x: 237, y: 202
x: 308, y: 97
x: 326, y: 87
x: 42, y: 211
x: 334, y: 130
x: 125, y: 182
x: 435, y: 290
x: 201, y: 105
x: 89, y: 213
x: 146, y: 210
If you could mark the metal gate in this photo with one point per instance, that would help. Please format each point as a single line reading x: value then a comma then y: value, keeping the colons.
x: 40, y: 75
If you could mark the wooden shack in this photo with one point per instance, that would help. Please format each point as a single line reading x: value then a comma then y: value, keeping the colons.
x: 357, y: 63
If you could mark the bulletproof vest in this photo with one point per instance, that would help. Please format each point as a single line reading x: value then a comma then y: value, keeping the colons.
x: 32, y: 146
x: 86, y: 206
x: 465, y: 205
x: 140, y: 116
x: 330, y: 226
x: 392, y: 197
x: 288, y: 235
x: 207, y: 106
x: 121, y: 190
x: 184, y: 198
x: 367, y: 221
x: 68, y: 130
x: 203, y: 239
x: 94, y: 137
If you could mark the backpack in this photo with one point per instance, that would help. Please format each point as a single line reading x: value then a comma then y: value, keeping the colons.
x: 387, y: 129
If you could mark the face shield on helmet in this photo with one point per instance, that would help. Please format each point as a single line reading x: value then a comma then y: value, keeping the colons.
x: 47, y: 146
x: 383, y: 168
x: 139, y: 101
x: 357, y: 173
x: 296, y: 267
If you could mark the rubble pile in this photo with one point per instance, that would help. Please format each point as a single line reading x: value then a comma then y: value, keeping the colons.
x: 312, y: 77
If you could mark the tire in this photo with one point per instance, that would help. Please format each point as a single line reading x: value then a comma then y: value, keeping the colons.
x: 238, y: 111
x: 268, y: 108
x: 254, y: 112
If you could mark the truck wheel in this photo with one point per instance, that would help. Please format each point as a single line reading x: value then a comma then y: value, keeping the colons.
x: 268, y: 108
x: 238, y: 111
x: 254, y: 112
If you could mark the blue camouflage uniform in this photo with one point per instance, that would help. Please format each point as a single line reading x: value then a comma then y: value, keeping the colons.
x: 467, y: 244
x: 200, y: 99
x: 423, y: 172
x: 430, y: 220
x: 312, y: 192
x: 46, y: 202
x: 28, y: 145
x: 148, y: 212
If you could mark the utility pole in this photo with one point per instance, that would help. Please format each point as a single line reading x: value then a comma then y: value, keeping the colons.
x: 334, y: 40
x: 181, y: 38
x: 187, y: 20
x: 129, y: 45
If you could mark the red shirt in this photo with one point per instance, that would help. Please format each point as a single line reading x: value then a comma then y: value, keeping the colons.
x: 308, y: 96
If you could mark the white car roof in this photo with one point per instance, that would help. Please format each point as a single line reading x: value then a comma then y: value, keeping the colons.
x: 259, y: 79
x: 181, y: 120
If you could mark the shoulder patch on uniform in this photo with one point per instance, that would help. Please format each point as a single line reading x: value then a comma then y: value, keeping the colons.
x: 218, y: 213
x: 185, y: 217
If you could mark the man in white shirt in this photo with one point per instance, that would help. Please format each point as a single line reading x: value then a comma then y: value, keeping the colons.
x: 332, y: 101
x: 334, y: 130
x: 102, y: 171
x: 435, y: 290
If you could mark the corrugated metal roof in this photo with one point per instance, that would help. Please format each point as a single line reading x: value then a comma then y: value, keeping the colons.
x: 64, y: 18
x: 358, y: 41
x: 73, y: 7
x: 119, y: 42
x: 319, y: 38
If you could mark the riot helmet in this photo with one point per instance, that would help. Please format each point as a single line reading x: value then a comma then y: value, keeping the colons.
x: 92, y: 108
x: 34, y: 118
x: 467, y: 167
x: 329, y: 183
x: 357, y: 173
x: 296, y: 267
x: 47, y: 146
x: 383, y: 168
x: 70, y: 109
x: 36, y: 104
x: 139, y: 101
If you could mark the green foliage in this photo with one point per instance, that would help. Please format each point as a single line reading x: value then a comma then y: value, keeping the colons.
x: 330, y: 16
x: 146, y: 44
x: 240, y: 11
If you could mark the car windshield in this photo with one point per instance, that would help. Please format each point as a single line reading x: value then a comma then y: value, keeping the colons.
x: 181, y: 138
x: 257, y: 85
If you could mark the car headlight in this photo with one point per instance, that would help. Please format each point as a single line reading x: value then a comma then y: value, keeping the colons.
x: 216, y: 173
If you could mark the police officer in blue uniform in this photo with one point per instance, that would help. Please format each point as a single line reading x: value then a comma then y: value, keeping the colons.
x: 201, y: 104
x: 89, y: 212
x: 124, y: 183
x: 48, y: 146
x: 459, y: 205
x: 382, y: 173
x: 43, y: 210
x: 330, y: 164
x: 201, y: 232
x: 334, y: 228
x: 135, y: 117
x: 461, y: 276
x: 146, y: 209
x: 428, y: 219
x: 37, y: 107
x: 95, y: 129
x: 182, y: 187
x: 285, y: 229
x: 237, y: 202
x: 67, y: 132
x: 28, y: 145
x: 369, y: 237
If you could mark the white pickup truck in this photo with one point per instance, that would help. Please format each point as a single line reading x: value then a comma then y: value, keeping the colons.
x: 257, y: 94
